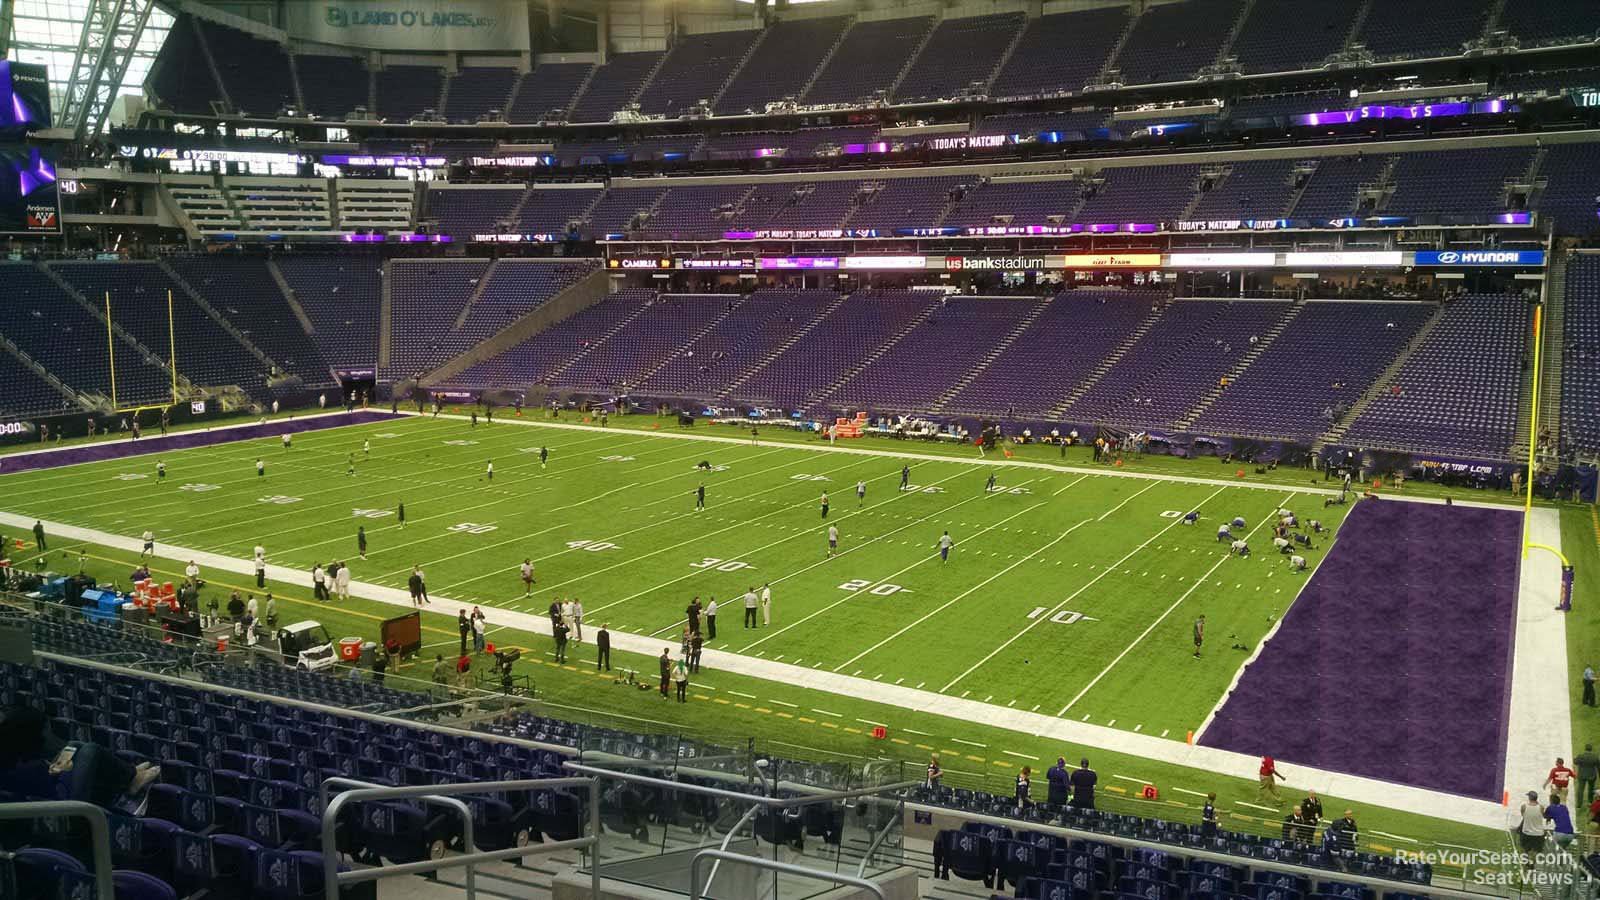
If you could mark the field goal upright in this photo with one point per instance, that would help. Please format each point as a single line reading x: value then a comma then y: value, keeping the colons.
x: 111, y: 354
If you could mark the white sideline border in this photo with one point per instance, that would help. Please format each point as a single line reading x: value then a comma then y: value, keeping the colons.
x: 1525, y: 745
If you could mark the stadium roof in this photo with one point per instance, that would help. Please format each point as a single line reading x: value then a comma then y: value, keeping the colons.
x: 49, y: 32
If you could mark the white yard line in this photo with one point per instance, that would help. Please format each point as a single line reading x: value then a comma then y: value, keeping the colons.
x: 1167, y: 612
x: 854, y: 548
x: 932, y: 458
x: 1070, y: 597
x: 1352, y: 788
x: 963, y: 595
x: 787, y: 508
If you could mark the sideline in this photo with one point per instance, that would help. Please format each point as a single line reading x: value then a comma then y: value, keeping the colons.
x: 1361, y: 790
x: 1539, y: 723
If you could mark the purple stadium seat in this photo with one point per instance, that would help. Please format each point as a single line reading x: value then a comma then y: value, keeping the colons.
x: 785, y: 60
x: 1174, y: 41
x: 1580, y: 361
x: 1458, y: 391
x: 870, y: 57
x: 614, y: 85
x: 959, y: 53
x: 1038, y: 67
x: 696, y: 68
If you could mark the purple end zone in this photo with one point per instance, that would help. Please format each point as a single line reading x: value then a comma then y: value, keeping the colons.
x: 183, y: 440
x: 1395, y: 662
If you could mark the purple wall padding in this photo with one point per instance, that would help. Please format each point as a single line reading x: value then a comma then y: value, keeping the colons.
x: 1395, y: 662
x: 182, y: 440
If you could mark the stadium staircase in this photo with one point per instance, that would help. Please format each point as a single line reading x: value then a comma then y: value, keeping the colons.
x: 511, y: 95
x: 1297, y: 193
x: 66, y: 392
x: 294, y: 79
x: 616, y: 329
x: 289, y: 298
x: 1226, y: 50
x: 211, y: 66
x: 1554, y: 338
x: 1109, y: 68
x: 1491, y: 21
x: 1250, y: 356
x: 444, y: 92
x: 645, y: 82
x: 1005, y: 57
x: 578, y: 296
x: 826, y: 58
x: 749, y: 54
x: 477, y: 289
x: 216, y: 316
x: 777, y: 351
x: 1379, y: 385
x: 994, y: 354
x: 1356, y: 22
x: 583, y: 88
x: 99, y: 314
x: 1110, y: 361
x: 698, y: 336
x: 817, y: 397
x: 911, y: 60
x: 1381, y: 187
x: 386, y: 306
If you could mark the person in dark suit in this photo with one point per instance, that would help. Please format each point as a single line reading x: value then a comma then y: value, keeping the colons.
x: 602, y: 646
x: 465, y: 627
x: 38, y: 534
x: 666, y: 670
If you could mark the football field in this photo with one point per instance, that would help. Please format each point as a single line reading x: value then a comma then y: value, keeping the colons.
x: 1068, y: 592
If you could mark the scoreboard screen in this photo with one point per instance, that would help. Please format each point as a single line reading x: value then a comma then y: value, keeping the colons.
x: 29, y: 203
x: 24, y: 99
x: 28, y: 200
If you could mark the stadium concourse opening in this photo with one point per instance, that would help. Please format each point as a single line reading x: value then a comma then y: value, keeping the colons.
x: 435, y: 437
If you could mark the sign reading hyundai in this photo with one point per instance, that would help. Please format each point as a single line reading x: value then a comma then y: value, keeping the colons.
x: 1480, y: 258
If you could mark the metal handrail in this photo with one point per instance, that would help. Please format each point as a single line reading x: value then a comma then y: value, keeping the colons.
x: 877, y: 839
x: 774, y: 865
x: 728, y: 839
x: 1231, y: 859
x: 329, y: 852
x: 768, y: 802
x: 444, y: 794
x: 99, y: 832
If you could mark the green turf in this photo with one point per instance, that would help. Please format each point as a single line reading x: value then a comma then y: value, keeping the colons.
x: 1048, y: 545
x: 785, y: 720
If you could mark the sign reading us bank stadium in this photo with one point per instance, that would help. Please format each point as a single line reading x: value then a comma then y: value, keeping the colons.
x: 411, y: 24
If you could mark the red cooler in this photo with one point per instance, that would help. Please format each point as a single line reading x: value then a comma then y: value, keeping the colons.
x: 350, y: 649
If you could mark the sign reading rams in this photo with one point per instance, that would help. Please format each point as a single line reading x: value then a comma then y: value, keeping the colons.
x: 1480, y: 258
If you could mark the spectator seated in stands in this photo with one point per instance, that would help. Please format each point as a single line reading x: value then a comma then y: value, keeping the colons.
x: 35, y: 762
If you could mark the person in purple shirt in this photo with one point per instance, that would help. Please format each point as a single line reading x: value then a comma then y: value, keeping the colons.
x: 1059, y: 786
x: 1560, y: 819
x: 1083, y: 779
